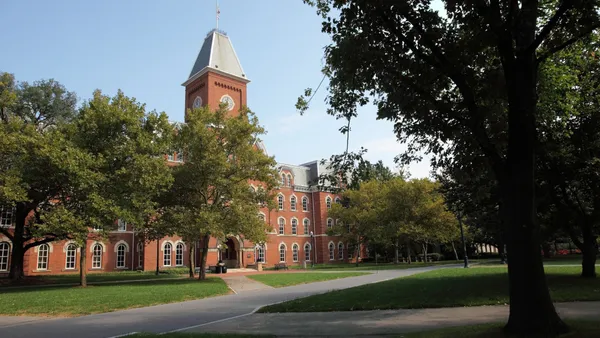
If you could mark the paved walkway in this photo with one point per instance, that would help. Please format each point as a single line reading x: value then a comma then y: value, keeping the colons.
x: 187, y: 315
x: 243, y: 284
x: 362, y: 323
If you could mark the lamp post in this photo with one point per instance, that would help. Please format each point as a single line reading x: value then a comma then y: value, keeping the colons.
x: 312, y: 242
x: 462, y: 237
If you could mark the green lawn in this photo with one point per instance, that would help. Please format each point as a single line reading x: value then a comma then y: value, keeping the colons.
x: 371, y: 266
x: 73, y: 301
x: 442, y: 288
x: 579, y: 329
x: 99, y: 277
x: 279, y: 280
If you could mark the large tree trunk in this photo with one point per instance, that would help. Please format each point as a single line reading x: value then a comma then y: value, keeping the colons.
x: 425, y: 252
x: 18, y: 243
x: 191, y: 262
x: 455, y: 252
x: 83, y: 265
x: 203, y: 256
x: 396, y: 252
x: 589, y: 252
x: 531, y: 309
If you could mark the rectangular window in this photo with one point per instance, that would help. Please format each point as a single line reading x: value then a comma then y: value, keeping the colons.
x: 281, y: 226
x: 304, y: 204
x: 179, y: 255
x: 6, y: 216
x: 180, y: 156
x: 280, y: 202
x: 121, y: 256
x: 171, y: 157
x: 42, y: 262
x: 260, y: 255
x: 4, y: 254
x: 71, y: 253
x: 122, y: 225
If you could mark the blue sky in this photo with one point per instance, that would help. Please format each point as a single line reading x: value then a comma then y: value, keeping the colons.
x: 147, y: 48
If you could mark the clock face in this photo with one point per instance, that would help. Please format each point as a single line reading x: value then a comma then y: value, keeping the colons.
x: 197, y: 102
x: 226, y: 99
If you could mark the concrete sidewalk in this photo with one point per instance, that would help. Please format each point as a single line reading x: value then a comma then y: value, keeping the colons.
x: 241, y: 283
x: 386, y: 322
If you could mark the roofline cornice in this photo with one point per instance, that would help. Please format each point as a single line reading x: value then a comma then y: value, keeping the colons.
x: 214, y: 70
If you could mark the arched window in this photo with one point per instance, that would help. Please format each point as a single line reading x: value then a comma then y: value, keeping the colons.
x: 179, y: 254
x: 329, y: 223
x: 328, y: 202
x: 338, y: 200
x: 306, y: 225
x: 97, y: 256
x: 331, y: 251
x: 282, y: 252
x: 121, y: 256
x: 307, y: 250
x: 289, y: 181
x: 340, y: 251
x: 281, y: 226
x: 71, y: 256
x: 283, y: 180
x: 167, y: 254
x: 293, y: 203
x: 261, y: 217
x: 42, y: 261
x: 295, y: 252
x: 140, y: 252
x: 294, y: 226
x: 260, y: 254
x: 280, y: 202
x: 4, y: 254
x: 304, y: 203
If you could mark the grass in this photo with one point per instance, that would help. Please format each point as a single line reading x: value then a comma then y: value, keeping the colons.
x: 579, y: 329
x: 442, y: 288
x: 100, y: 277
x: 371, y: 266
x: 279, y: 280
x: 73, y: 301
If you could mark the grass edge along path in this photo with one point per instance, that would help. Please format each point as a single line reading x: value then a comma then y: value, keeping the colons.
x: 65, y: 301
x: 278, y: 280
x: 441, y: 288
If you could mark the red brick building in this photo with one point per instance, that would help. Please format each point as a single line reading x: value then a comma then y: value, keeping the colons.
x: 299, y: 223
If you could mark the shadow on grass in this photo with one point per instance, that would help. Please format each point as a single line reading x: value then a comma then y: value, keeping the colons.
x: 441, y: 288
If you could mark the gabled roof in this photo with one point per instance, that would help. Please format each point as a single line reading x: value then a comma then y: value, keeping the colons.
x: 217, y: 54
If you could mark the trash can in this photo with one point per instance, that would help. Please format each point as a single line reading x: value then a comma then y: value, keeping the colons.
x: 224, y: 269
x: 219, y: 269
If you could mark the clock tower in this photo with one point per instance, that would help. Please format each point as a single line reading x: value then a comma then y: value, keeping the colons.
x: 217, y: 76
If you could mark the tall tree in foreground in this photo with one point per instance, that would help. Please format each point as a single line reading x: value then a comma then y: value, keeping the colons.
x: 212, y: 193
x: 443, y: 80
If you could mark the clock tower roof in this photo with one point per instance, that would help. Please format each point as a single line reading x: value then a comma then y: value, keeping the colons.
x: 217, y: 55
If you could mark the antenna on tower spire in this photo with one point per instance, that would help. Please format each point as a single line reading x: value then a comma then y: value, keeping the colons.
x: 218, y: 13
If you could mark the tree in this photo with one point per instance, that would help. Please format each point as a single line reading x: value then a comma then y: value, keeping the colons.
x: 212, y: 193
x: 443, y: 80
x: 358, y: 215
x: 32, y: 170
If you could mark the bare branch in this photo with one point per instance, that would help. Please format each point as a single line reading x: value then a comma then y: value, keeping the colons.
x: 564, y: 6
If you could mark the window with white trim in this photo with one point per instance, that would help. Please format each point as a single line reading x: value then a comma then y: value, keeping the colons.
x: 280, y: 202
x: 281, y: 226
x: 42, y: 259
x: 4, y: 254
x: 295, y: 252
x: 282, y: 180
x: 328, y: 202
x: 294, y: 226
x: 71, y: 256
x: 293, y: 203
x: 121, y: 249
x: 338, y: 200
x: 122, y: 225
x: 140, y: 252
x: 282, y: 253
x: 167, y: 254
x: 331, y: 251
x: 97, y: 256
x: 289, y: 180
x: 171, y: 157
x: 329, y: 223
x: 180, y: 156
x: 340, y: 251
x: 7, y: 215
x: 262, y: 217
x: 307, y: 250
x: 179, y: 254
x: 306, y: 225
x: 260, y: 254
x: 304, y: 203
